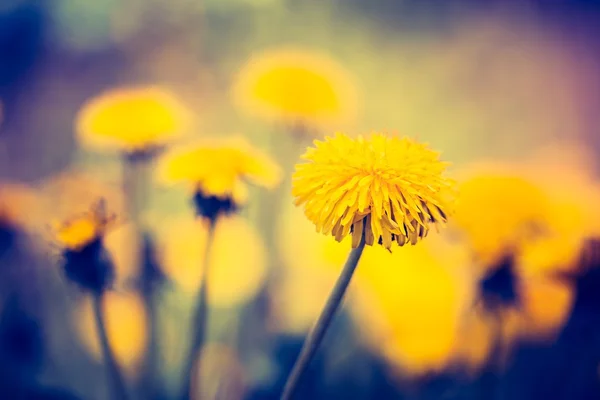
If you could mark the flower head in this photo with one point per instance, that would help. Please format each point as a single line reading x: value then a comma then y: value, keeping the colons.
x: 217, y: 171
x: 517, y: 209
x: 499, y: 211
x: 81, y: 242
x: 390, y: 188
x: 296, y: 86
x: 133, y: 120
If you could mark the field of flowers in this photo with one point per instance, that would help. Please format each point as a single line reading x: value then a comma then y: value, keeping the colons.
x: 285, y: 199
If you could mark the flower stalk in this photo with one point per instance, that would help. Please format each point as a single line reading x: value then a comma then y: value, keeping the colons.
x: 199, y: 322
x: 315, y: 337
x: 116, y: 381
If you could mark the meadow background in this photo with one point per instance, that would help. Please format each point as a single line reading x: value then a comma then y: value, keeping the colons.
x: 509, y: 87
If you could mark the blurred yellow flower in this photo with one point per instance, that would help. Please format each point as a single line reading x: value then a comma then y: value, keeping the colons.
x: 126, y: 324
x: 411, y: 303
x: 394, y: 188
x: 133, y: 119
x: 218, y: 168
x: 407, y: 304
x: 81, y: 230
x: 498, y: 211
x: 296, y: 86
x: 517, y: 208
x: 235, y: 276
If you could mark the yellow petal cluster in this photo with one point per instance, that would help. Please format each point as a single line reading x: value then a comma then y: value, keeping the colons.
x: 407, y: 304
x: 296, y: 86
x: 131, y: 119
x: 220, y: 168
x: 517, y: 208
x: 392, y: 188
x: 498, y: 212
x: 79, y: 231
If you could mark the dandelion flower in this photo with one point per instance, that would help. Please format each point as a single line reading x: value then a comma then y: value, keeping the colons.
x: 217, y: 171
x: 296, y: 86
x: 411, y: 304
x: 133, y: 120
x: 409, y: 315
x: 394, y: 185
x: 80, y: 240
x: 498, y: 212
x: 515, y: 209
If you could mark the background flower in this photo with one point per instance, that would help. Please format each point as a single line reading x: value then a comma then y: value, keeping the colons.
x: 220, y: 168
x: 132, y: 119
x: 296, y: 86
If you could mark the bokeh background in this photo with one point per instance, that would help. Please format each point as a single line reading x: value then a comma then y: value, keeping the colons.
x: 502, y: 304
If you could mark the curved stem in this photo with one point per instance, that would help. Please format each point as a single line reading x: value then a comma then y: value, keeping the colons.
x: 312, y: 342
x: 199, y: 323
x: 117, y: 384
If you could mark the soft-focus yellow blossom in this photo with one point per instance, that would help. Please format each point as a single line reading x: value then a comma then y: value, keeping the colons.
x: 79, y: 231
x: 132, y: 119
x: 411, y: 303
x: 220, y: 168
x: 393, y: 188
x: 236, y: 273
x: 518, y: 208
x: 126, y: 325
x: 408, y: 304
x: 566, y: 172
x: 296, y: 86
x: 497, y: 212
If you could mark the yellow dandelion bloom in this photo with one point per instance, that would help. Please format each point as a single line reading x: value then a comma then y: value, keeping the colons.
x: 407, y: 304
x: 76, y: 233
x: 499, y: 211
x: 394, y: 187
x: 235, y: 276
x: 126, y: 326
x: 133, y: 119
x: 296, y: 86
x: 218, y: 168
x: 543, y: 220
x: 411, y: 303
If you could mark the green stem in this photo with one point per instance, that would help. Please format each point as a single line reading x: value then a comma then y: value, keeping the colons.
x: 135, y: 188
x: 116, y: 382
x: 312, y: 342
x: 199, y: 322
